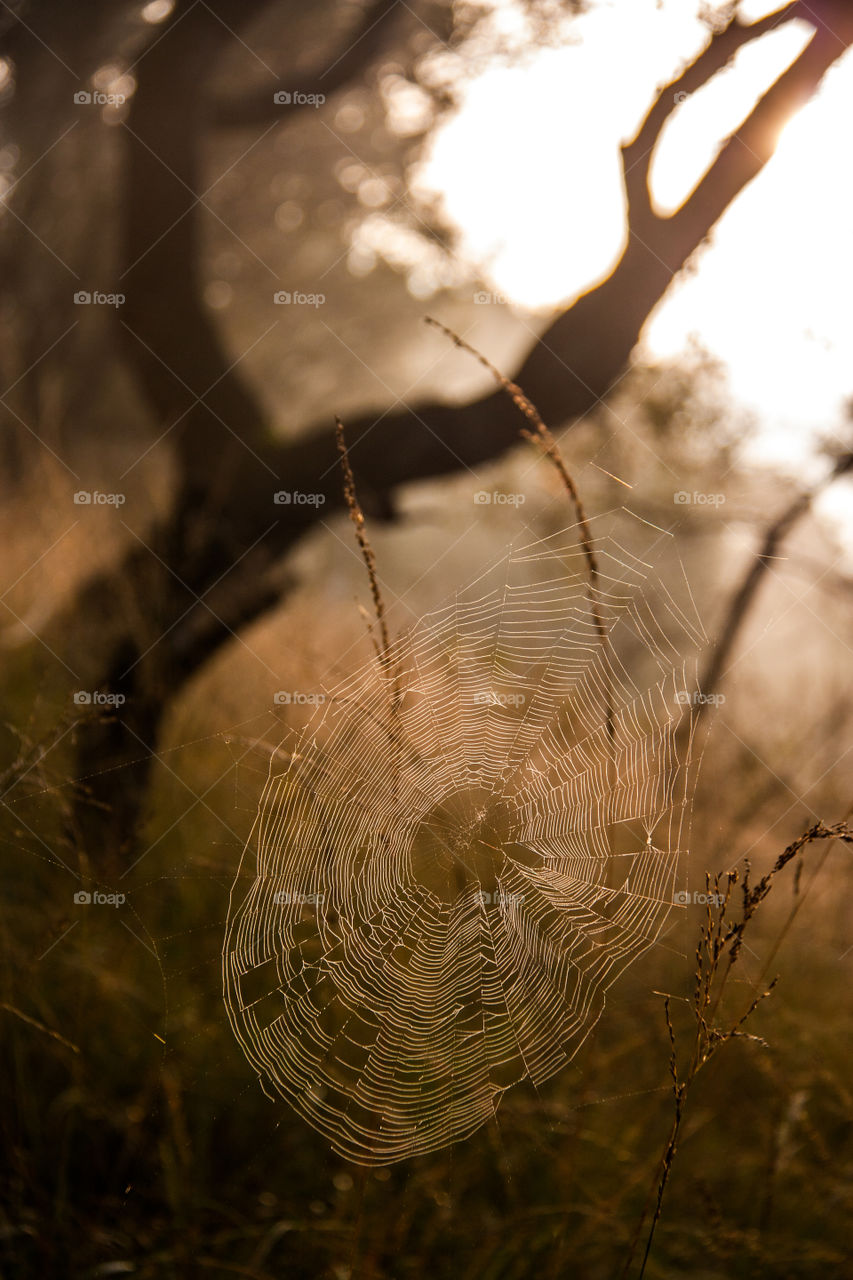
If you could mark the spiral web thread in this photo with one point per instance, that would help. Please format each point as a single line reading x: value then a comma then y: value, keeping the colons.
x: 457, y: 862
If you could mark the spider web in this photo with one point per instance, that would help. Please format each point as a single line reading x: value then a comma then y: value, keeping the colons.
x: 465, y: 848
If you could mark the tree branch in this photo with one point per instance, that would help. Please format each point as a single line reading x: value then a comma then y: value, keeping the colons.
x: 738, y: 610
x: 744, y: 155
x: 637, y: 154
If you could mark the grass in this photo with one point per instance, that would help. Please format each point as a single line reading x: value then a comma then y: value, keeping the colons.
x: 136, y: 1141
x: 169, y: 1159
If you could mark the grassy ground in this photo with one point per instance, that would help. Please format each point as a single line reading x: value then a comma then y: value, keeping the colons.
x: 137, y: 1140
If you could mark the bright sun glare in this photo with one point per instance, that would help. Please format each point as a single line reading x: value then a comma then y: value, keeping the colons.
x: 528, y: 171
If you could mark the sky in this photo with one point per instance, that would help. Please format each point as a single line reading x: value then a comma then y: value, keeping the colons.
x: 527, y: 170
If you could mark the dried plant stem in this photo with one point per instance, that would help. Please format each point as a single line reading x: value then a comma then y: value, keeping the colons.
x: 801, y: 897
x: 540, y: 435
x: 720, y: 942
x: 391, y: 670
x: 383, y: 650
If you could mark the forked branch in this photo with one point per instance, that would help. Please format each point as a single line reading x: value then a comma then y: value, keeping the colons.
x: 724, y: 44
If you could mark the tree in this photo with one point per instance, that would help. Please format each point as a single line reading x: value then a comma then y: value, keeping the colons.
x: 216, y: 561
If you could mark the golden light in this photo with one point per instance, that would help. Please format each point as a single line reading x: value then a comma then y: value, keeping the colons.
x: 528, y: 172
x: 157, y: 11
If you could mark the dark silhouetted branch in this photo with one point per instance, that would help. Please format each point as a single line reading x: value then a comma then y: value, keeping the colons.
x: 637, y: 154
x: 738, y: 610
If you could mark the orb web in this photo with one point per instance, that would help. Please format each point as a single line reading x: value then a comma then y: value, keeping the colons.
x: 463, y: 851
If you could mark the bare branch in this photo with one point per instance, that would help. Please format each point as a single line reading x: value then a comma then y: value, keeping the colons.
x: 753, y: 144
x: 743, y: 597
x: 637, y: 154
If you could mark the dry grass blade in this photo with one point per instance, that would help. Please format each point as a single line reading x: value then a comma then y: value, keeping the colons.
x: 540, y: 435
x: 39, y: 1026
x: 357, y: 516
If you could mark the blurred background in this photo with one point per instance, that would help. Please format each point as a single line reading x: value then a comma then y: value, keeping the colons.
x: 221, y: 224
